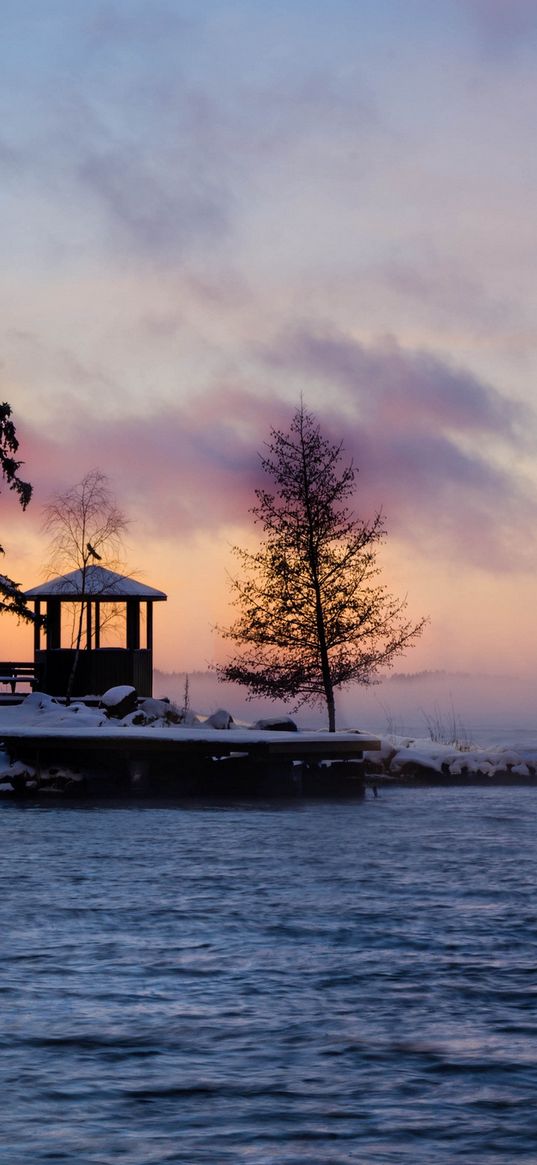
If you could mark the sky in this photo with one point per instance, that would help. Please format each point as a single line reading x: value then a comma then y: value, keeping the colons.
x: 210, y: 210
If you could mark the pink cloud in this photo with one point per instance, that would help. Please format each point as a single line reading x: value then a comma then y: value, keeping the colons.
x: 418, y: 429
x: 181, y: 469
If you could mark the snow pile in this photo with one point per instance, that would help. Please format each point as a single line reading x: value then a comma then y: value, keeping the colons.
x: 406, y: 757
x: 38, y: 710
x: 119, y: 706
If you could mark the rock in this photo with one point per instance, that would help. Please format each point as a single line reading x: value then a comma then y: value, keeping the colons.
x: 74, y: 786
x: 161, y: 710
x: 19, y: 784
x: 138, y: 718
x: 219, y: 719
x: 373, y: 764
x: 119, y: 701
x: 277, y: 724
x: 154, y: 708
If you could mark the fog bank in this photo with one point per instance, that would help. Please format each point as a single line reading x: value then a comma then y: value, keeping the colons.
x: 443, y: 705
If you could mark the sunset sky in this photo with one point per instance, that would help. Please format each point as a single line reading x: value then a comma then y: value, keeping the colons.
x: 209, y: 209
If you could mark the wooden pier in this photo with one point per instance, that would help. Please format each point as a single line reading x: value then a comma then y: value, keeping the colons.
x: 190, y: 762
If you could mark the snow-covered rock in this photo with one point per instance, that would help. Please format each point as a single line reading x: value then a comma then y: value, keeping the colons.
x: 162, y: 711
x: 119, y: 701
x: 409, y: 758
x: 154, y: 708
x: 219, y: 719
x: 277, y: 724
x: 115, y: 696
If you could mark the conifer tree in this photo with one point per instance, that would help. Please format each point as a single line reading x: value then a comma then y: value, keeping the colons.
x: 312, y: 613
x: 11, y: 598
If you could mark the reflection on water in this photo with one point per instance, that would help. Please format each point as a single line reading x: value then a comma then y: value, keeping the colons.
x: 304, y: 983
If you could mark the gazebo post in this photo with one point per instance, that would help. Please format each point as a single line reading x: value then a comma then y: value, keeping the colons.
x: 149, y: 625
x: 37, y: 626
x: 54, y: 626
x: 97, y: 626
x: 133, y: 624
x: 88, y: 624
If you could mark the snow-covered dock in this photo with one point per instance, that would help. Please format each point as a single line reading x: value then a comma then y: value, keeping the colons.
x: 80, y: 746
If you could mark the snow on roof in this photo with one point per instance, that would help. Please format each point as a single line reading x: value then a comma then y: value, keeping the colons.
x: 99, y: 583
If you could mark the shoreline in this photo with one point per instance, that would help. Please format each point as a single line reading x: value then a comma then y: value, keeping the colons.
x: 125, y: 743
x: 432, y: 780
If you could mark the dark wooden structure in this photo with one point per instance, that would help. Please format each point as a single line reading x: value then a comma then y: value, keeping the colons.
x: 15, y: 673
x: 98, y: 668
x: 191, y: 762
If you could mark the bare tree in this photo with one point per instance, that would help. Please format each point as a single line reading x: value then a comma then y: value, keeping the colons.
x: 85, y: 527
x: 11, y: 597
x: 312, y: 615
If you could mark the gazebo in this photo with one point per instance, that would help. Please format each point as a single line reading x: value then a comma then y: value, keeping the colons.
x: 98, y: 668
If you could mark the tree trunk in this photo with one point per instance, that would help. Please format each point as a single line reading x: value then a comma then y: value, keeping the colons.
x: 72, y: 674
x: 330, y: 704
x: 327, y: 678
x: 319, y: 612
x: 323, y: 652
x: 76, y: 656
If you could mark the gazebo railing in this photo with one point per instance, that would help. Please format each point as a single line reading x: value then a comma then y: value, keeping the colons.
x: 96, y: 670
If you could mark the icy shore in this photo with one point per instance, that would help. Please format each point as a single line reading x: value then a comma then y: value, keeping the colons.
x: 406, y: 757
x: 399, y: 757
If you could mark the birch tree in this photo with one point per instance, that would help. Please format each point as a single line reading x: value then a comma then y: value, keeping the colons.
x: 85, y: 527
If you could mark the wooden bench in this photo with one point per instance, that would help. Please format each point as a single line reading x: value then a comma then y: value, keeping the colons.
x: 17, y: 673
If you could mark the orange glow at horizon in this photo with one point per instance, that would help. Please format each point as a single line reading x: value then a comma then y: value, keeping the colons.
x: 478, y: 623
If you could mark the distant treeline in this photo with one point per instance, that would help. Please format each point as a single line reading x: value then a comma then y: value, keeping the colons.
x: 419, y: 676
x: 180, y: 676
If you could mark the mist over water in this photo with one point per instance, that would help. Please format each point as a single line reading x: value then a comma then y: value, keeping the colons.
x: 473, y: 708
x: 273, y: 984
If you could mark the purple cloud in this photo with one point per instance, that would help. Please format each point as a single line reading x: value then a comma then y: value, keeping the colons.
x: 409, y: 389
x: 431, y: 443
x: 160, y: 212
x: 502, y: 20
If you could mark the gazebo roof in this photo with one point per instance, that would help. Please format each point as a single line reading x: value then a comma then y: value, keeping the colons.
x: 100, y: 583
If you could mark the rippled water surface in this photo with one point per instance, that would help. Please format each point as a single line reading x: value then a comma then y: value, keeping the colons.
x: 297, y: 983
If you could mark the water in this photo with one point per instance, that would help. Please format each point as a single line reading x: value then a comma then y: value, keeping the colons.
x: 315, y: 983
